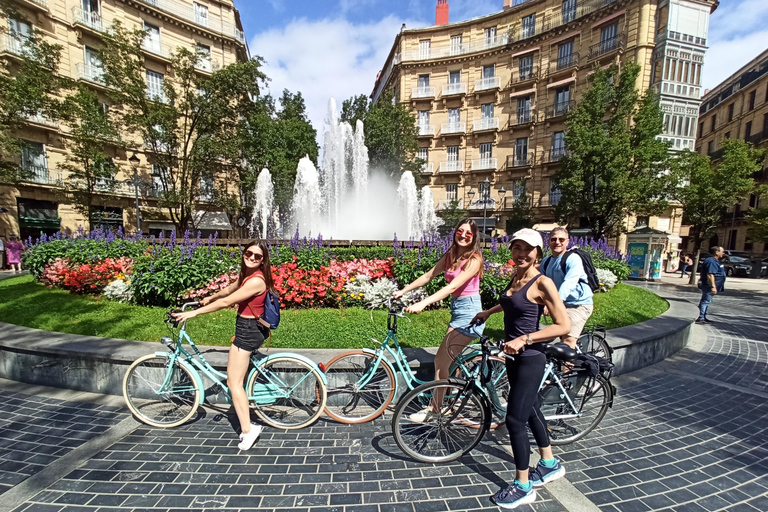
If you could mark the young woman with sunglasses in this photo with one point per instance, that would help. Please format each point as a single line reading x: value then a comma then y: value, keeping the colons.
x: 248, y: 294
x: 463, y: 266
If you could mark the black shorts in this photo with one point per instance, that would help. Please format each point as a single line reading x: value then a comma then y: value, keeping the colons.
x: 249, y: 334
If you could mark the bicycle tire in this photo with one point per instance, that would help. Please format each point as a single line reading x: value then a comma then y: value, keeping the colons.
x: 164, y: 410
x: 594, y: 343
x: 289, y: 392
x: 500, y: 387
x: 350, y: 404
x: 448, y: 435
x: 593, y: 398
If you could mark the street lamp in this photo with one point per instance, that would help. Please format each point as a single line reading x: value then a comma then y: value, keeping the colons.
x: 502, y: 193
x: 486, y: 197
x: 134, y: 161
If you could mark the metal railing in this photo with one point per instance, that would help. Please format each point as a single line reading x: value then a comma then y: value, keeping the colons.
x: 89, y: 19
x: 426, y: 130
x: 525, y: 74
x: 12, y: 43
x: 423, y: 92
x: 452, y: 166
x: 486, y: 123
x: 523, y: 116
x: 40, y: 174
x: 560, y: 109
x: 554, y: 197
x: 608, y: 46
x: 38, y: 118
x: 90, y: 73
x: 451, y: 89
x: 156, y: 48
x: 210, y: 22
x: 428, y: 168
x: 520, y: 160
x: 448, y: 50
x: 206, y: 65
x: 458, y: 127
x: 442, y: 204
x: 484, y: 84
x: 564, y: 62
x: 483, y: 204
x: 759, y: 136
x: 555, y: 154
x: 484, y: 164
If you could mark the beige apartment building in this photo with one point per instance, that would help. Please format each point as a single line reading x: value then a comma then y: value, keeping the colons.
x: 210, y: 26
x: 737, y: 109
x: 491, y: 93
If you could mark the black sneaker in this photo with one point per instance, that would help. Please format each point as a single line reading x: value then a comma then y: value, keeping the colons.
x: 708, y: 321
x: 542, y: 474
x: 514, y: 496
x: 700, y: 321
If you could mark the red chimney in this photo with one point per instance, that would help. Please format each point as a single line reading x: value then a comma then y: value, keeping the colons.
x: 441, y: 12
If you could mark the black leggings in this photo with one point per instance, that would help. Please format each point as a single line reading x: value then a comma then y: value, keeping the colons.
x: 525, y: 374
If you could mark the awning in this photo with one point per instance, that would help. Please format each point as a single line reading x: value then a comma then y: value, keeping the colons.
x: 162, y: 225
x: 218, y: 221
x: 39, y: 223
x: 561, y: 82
x: 547, y: 226
x: 522, y: 93
x: 527, y: 50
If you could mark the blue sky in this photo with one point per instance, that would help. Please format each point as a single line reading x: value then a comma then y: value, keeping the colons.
x: 336, y: 47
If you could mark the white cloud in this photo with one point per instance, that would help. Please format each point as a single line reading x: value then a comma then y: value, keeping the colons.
x: 325, y: 58
x: 734, y: 19
x: 724, y: 58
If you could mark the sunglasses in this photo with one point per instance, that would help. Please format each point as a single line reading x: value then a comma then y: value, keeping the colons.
x: 561, y: 240
x: 253, y: 255
x: 464, y: 234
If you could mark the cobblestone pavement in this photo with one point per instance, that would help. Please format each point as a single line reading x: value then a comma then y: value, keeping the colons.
x: 686, y: 434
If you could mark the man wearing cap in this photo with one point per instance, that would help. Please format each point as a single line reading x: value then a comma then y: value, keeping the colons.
x: 572, y: 285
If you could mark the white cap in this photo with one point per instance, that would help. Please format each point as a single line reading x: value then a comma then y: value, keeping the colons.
x: 529, y: 236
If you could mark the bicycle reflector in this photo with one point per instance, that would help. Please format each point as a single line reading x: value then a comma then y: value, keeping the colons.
x: 321, y: 366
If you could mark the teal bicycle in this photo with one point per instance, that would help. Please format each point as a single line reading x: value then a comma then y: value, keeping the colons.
x: 165, y: 389
x: 362, y: 383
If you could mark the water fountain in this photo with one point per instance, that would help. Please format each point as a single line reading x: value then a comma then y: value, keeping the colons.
x: 262, y: 210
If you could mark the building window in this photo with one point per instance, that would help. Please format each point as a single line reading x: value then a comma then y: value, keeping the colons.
x: 489, y: 71
x: 765, y: 125
x: 562, y: 100
x: 609, y: 37
x: 727, y: 135
x: 558, y: 145
x: 490, y: 36
x: 486, y: 151
x: 569, y: 10
x: 453, y: 153
x: 486, y: 110
x: 521, y: 151
x: 529, y: 26
x: 33, y: 157
x: 525, y: 67
x: 484, y: 189
x: 423, y: 81
x: 452, y: 191
x: 714, y: 122
x: 204, y: 57
x: 661, y: 21
x: 524, y: 110
x: 701, y: 129
x: 752, y: 99
x: 152, y: 38
x: 423, y: 154
x: 518, y: 189
x: 425, y: 48
x: 456, y: 44
x: 454, y: 117
x: 710, y: 147
x: 454, y: 77
x: 554, y: 194
x: 155, y: 86
x: 730, y: 112
x: 748, y: 130
x: 565, y: 55
x: 201, y: 14
x: 752, y: 201
x: 423, y: 118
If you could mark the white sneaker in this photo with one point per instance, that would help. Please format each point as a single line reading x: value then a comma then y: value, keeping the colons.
x: 423, y: 415
x: 247, y: 439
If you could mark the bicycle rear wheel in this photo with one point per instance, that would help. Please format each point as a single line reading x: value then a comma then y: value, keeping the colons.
x: 160, y: 394
x: 498, y: 386
x: 360, y: 388
x: 288, y: 392
x: 441, y: 437
x: 594, y: 343
x: 592, y: 397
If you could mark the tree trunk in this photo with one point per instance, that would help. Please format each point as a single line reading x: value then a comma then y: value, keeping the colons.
x: 692, y: 278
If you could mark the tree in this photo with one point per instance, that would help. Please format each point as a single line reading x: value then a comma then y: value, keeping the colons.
x: 190, y: 122
x: 90, y: 171
x: 391, y: 136
x: 452, y: 214
x: 355, y: 108
x: 705, y: 190
x: 28, y: 87
x: 758, y: 217
x: 614, y: 165
x: 521, y: 215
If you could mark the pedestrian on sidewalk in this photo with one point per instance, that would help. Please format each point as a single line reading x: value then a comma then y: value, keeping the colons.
x: 248, y: 293
x: 686, y: 264
x: 523, y: 303
x: 711, y: 281
x: 572, y: 285
x: 13, y: 250
x: 2, y: 252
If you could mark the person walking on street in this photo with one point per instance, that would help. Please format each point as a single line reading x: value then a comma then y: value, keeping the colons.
x: 572, y: 285
x: 2, y: 252
x: 13, y: 249
x: 523, y: 303
x: 686, y: 265
x: 711, y: 281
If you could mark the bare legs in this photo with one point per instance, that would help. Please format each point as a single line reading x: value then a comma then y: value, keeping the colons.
x: 452, y: 345
x: 237, y: 365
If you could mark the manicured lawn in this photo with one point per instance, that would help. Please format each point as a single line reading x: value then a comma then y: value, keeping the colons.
x: 24, y: 302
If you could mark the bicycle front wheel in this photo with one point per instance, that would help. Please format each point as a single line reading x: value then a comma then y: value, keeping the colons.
x: 159, y: 393
x: 360, y: 387
x: 288, y: 392
x: 592, y: 398
x: 445, y: 436
x: 498, y: 385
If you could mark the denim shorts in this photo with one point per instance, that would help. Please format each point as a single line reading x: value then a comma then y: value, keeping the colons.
x: 463, y: 310
x: 249, y: 334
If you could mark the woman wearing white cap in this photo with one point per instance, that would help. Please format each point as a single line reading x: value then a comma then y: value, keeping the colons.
x: 523, y: 303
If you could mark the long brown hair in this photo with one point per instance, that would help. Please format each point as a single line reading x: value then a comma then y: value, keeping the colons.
x: 454, y: 252
x: 266, y: 266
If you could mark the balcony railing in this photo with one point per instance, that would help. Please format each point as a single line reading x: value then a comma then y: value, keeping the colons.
x: 187, y: 13
x: 38, y: 118
x: 554, y: 197
x: 426, y: 130
x: 423, y: 92
x: 523, y: 116
x: 442, y: 204
x: 90, y: 73
x: 452, y: 89
x: 608, y: 46
x: 520, y: 160
x: 555, y: 154
x: 438, y: 52
x: 89, y: 19
x: 560, y: 109
x: 485, y: 84
x: 564, y: 62
x: 452, y: 166
x: 40, y: 174
x: 525, y: 75
x: 428, y: 168
x: 156, y: 48
x: 759, y: 136
x: 206, y: 65
x: 12, y: 43
x: 483, y: 164
x: 483, y: 204
x: 717, y: 154
x: 486, y: 123
x: 459, y: 127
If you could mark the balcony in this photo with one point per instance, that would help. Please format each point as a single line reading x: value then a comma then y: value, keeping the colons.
x: 207, y: 65
x: 607, y: 47
x: 520, y: 76
x: 188, y: 14
x: 453, y: 128
x: 522, y: 117
x: 426, y: 130
x: 555, y: 154
x: 41, y: 5
x: 554, y: 197
x: 522, y: 159
x: 484, y: 204
x: 448, y: 50
x: 486, y: 123
x: 442, y: 204
x: 455, y: 89
x: 40, y: 174
x: 487, y: 84
x: 759, y: 136
x: 560, y: 109
x: 484, y: 164
x: 564, y: 63
x: 88, y: 19
x: 90, y: 73
x: 13, y: 44
x: 41, y: 120
x: 452, y: 166
x: 156, y: 49
x: 428, y: 168
x: 423, y: 92
x: 716, y: 155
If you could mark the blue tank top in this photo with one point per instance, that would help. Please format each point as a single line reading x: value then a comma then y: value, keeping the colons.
x: 521, y: 316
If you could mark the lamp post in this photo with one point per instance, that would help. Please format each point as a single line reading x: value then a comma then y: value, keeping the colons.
x: 134, y: 161
x: 486, y: 197
x: 502, y: 193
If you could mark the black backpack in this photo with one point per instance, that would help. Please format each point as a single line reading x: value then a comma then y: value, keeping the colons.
x: 586, y: 262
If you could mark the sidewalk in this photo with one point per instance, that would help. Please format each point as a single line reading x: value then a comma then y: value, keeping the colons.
x: 731, y: 283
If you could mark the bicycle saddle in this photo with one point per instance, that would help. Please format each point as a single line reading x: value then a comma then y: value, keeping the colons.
x: 561, y: 351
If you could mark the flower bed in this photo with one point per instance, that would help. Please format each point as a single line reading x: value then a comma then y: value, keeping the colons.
x: 308, y: 273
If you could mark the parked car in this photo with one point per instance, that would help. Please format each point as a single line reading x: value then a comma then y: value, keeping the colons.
x: 737, y: 266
